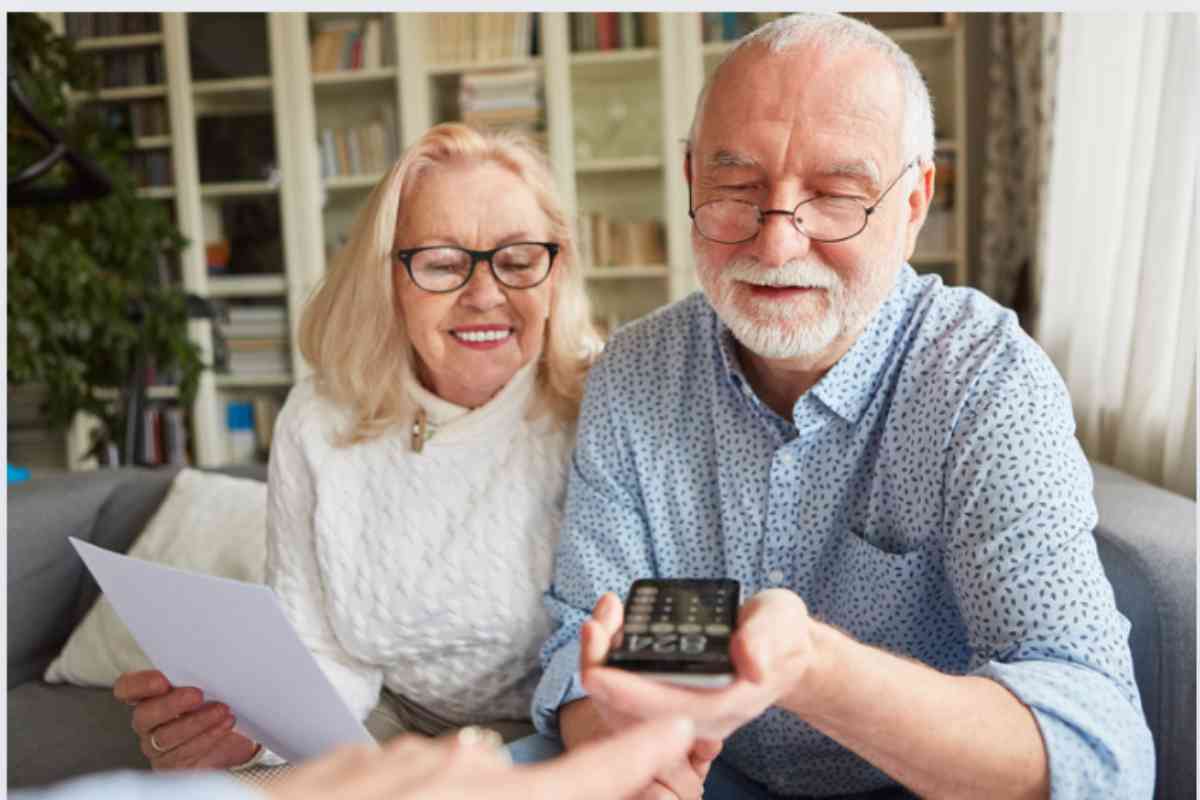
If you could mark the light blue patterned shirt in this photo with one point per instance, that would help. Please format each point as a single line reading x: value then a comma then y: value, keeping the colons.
x: 929, y: 498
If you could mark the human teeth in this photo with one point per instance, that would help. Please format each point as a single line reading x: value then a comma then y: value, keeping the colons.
x: 481, y: 336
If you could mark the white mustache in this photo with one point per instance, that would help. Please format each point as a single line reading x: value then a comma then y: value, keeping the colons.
x: 792, y: 274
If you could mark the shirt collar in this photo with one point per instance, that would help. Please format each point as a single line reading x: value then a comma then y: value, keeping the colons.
x: 850, y: 384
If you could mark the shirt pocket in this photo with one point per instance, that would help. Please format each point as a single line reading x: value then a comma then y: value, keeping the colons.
x: 894, y: 600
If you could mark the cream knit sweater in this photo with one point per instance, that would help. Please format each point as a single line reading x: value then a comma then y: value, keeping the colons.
x: 422, y: 572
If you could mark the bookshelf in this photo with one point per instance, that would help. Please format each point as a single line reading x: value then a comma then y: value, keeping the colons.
x: 332, y: 97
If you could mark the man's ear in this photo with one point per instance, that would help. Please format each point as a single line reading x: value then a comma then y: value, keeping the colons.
x: 918, y: 206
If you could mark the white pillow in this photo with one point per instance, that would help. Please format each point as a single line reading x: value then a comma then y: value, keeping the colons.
x: 208, y: 523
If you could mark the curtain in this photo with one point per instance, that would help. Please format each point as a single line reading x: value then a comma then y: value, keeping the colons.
x: 1012, y: 164
x: 1120, y: 236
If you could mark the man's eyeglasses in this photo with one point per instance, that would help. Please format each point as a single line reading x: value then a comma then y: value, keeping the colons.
x: 443, y: 268
x: 824, y: 218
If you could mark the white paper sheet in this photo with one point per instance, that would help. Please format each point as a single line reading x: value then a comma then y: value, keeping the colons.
x: 232, y: 641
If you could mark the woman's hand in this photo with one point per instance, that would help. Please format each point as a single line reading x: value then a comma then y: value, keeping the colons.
x: 177, y: 729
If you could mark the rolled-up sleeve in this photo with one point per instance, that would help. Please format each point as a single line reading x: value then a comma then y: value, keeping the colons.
x: 1022, y: 561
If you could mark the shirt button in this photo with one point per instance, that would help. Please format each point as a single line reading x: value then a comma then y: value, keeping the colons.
x: 775, y: 576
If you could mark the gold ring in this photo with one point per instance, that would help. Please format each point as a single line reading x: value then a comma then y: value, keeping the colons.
x: 157, y: 747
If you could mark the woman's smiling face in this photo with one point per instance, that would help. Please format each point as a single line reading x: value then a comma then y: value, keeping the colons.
x: 470, y: 342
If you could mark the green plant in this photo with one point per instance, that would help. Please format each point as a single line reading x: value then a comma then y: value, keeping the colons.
x: 76, y: 271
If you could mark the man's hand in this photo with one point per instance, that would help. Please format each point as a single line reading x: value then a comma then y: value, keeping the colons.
x: 772, y: 652
x: 411, y: 767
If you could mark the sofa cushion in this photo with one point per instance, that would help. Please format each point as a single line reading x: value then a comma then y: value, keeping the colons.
x: 48, y: 588
x: 57, y: 732
x: 208, y: 523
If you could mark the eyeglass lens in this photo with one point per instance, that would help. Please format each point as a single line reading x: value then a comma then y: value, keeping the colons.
x: 821, y: 218
x: 443, y: 269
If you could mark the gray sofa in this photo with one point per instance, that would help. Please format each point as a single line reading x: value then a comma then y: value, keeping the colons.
x: 1146, y: 536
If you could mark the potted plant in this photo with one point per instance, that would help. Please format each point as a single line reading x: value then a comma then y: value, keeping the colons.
x: 86, y: 306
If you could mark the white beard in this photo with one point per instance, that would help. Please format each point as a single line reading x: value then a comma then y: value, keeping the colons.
x: 781, y: 329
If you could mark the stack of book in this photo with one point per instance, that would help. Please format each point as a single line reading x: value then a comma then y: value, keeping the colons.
x: 347, y: 44
x: 505, y: 99
x: 88, y: 25
x: 613, y: 30
x: 256, y: 340
x: 139, y: 67
x: 361, y: 150
x: 479, y: 37
x: 604, y: 242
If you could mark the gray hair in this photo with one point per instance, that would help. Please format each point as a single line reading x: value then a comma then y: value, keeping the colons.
x: 835, y: 33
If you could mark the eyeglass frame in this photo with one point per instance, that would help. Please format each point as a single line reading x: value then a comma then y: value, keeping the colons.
x: 762, y: 215
x: 406, y: 255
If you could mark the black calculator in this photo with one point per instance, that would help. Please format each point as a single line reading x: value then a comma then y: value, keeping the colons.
x: 678, y: 630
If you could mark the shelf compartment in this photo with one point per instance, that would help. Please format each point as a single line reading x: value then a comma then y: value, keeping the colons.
x: 247, y: 286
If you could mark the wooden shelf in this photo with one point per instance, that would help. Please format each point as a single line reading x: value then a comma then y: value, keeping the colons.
x: 120, y: 93
x: 151, y: 142
x: 625, y: 273
x: 627, y: 164
x: 232, y: 85
x: 152, y: 393
x: 354, y: 76
x: 338, y: 182
x: 226, y: 381
x: 238, y: 188
x: 118, y: 42
x: 247, y: 286
x: 631, y: 55
x: 477, y: 66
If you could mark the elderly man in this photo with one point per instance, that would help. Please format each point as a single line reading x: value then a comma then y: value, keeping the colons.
x: 888, y: 466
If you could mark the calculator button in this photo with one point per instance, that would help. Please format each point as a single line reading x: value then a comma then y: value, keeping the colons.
x: 689, y: 627
x: 662, y: 627
x: 636, y: 627
x: 716, y: 629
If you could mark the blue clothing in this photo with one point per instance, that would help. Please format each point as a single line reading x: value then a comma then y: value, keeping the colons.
x: 133, y: 785
x: 928, y: 498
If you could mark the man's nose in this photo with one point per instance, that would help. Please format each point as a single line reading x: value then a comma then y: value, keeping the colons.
x: 779, y: 240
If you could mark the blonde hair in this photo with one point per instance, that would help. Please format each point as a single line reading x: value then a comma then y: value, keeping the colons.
x: 352, y: 331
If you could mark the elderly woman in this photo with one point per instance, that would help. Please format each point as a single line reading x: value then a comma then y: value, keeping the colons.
x: 417, y: 479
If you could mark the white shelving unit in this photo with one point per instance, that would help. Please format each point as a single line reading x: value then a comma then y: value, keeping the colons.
x: 615, y: 123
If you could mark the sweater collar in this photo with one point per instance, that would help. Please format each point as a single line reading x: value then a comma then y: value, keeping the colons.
x: 455, y: 422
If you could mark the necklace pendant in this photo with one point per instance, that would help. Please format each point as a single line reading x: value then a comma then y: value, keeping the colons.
x: 422, y: 431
